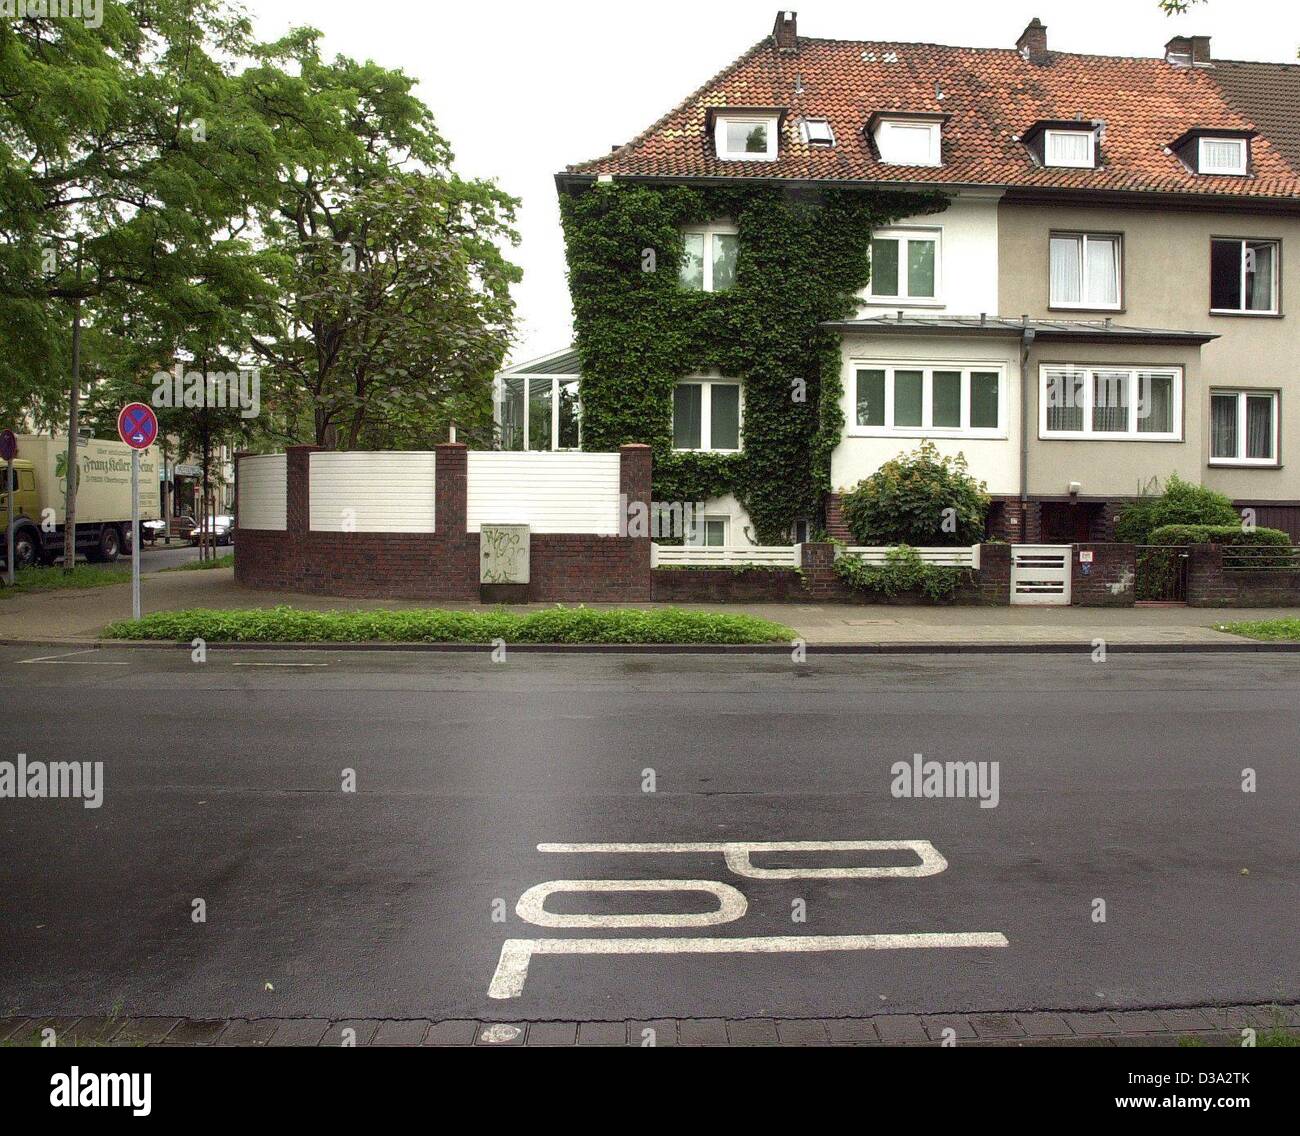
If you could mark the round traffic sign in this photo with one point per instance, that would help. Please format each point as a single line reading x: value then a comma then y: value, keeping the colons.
x: 137, y: 425
x: 8, y: 445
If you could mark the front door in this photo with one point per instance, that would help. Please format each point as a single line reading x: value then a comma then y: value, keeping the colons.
x: 1067, y: 522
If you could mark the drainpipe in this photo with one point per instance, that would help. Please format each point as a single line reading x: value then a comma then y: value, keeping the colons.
x: 1026, y: 342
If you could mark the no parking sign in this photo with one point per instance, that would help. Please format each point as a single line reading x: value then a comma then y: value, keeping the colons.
x: 137, y: 426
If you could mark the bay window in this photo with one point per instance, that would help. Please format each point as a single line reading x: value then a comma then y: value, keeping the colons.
x: 1243, y: 427
x: 1111, y: 403
x: 1085, y: 270
x: 954, y: 399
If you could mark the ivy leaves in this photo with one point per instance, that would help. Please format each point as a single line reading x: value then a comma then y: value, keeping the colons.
x: 803, y: 260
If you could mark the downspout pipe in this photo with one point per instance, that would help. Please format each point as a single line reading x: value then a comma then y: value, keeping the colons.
x: 1026, y: 342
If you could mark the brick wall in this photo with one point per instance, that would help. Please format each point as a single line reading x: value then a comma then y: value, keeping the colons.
x: 1209, y: 584
x: 723, y: 585
x: 1109, y: 580
x: 442, y: 565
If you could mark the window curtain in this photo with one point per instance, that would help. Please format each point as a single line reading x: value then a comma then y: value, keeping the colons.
x: 1221, y: 155
x: 1259, y: 426
x: 1223, y: 426
x: 1103, y: 271
x: 724, y: 417
x: 1068, y: 147
x: 1156, y: 404
x: 1063, y: 394
x: 1259, y: 277
x: 1110, y: 399
x: 1067, y: 271
x: 871, y: 398
x: 686, y: 416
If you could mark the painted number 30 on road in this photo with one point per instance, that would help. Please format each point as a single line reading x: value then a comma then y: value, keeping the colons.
x: 517, y: 954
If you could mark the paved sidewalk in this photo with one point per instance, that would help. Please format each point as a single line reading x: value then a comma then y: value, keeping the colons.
x: 79, y: 616
x: 1208, y: 1025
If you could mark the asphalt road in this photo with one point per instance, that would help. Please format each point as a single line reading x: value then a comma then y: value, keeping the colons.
x: 1118, y: 781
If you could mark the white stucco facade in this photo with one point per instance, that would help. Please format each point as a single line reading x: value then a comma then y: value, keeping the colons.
x: 993, y: 456
x: 967, y: 262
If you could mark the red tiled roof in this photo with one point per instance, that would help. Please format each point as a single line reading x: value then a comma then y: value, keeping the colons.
x: 991, y: 96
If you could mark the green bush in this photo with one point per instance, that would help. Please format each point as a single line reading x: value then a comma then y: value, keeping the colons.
x: 903, y: 570
x: 906, y: 501
x: 1182, y: 503
x: 433, y: 625
x: 1218, y: 534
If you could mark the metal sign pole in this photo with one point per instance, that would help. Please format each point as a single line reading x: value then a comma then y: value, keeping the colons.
x: 9, y: 485
x: 135, y: 534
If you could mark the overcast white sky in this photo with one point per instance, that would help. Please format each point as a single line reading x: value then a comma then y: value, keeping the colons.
x: 522, y: 88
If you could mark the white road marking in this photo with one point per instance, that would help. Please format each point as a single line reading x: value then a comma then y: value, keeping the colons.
x: 496, y: 1035
x: 512, y: 968
x: 66, y: 660
x: 737, y: 855
x: 532, y: 904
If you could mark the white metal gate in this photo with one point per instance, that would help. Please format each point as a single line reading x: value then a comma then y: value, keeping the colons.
x: 1040, y: 573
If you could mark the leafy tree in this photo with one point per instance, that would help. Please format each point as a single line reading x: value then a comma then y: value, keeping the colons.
x: 392, y: 308
x: 920, y: 499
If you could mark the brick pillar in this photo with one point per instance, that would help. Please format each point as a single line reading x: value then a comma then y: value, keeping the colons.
x: 635, y: 471
x: 1206, y: 586
x: 995, y: 573
x: 635, y: 475
x: 450, y: 494
x: 240, y: 455
x: 836, y: 526
x: 298, y: 491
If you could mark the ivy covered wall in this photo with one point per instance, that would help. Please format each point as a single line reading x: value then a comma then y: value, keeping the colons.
x: 804, y: 257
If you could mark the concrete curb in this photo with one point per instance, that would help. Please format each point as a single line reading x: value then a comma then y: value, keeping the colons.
x: 1244, y: 646
x: 1202, y: 1025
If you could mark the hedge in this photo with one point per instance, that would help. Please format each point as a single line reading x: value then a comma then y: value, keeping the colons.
x: 1218, y: 534
x: 432, y: 625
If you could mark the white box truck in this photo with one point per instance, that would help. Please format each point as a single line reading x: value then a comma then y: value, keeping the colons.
x: 103, y: 498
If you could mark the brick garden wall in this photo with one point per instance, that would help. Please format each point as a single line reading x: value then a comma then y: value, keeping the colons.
x: 1109, y: 581
x: 1209, y: 584
x: 442, y: 565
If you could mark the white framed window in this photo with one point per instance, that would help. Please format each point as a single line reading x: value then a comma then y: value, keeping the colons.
x: 1244, y: 276
x: 958, y: 400
x: 905, y: 265
x: 1074, y: 148
x: 746, y: 138
x: 707, y: 415
x: 1243, y: 427
x: 817, y: 132
x: 713, y: 532
x: 1133, y: 404
x: 906, y: 142
x: 1086, y: 270
x: 709, y: 257
x: 1222, y: 156
x: 539, y: 412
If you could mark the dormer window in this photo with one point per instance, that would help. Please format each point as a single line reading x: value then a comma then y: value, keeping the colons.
x: 1223, y: 156
x: 747, y: 136
x: 1063, y: 144
x: 904, y: 139
x: 817, y: 132
x: 1215, y: 153
x: 1072, y: 148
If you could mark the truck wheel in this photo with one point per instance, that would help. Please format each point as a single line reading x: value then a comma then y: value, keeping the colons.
x: 27, y: 548
x: 109, y: 547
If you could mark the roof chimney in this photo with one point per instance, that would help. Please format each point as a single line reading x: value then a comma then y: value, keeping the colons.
x: 785, y: 31
x: 1189, y: 51
x: 1032, y: 43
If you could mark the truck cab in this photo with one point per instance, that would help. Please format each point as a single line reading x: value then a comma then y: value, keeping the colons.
x: 27, y: 542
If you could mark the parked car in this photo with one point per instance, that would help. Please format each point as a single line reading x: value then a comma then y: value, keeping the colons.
x: 222, y: 530
x: 155, y: 530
